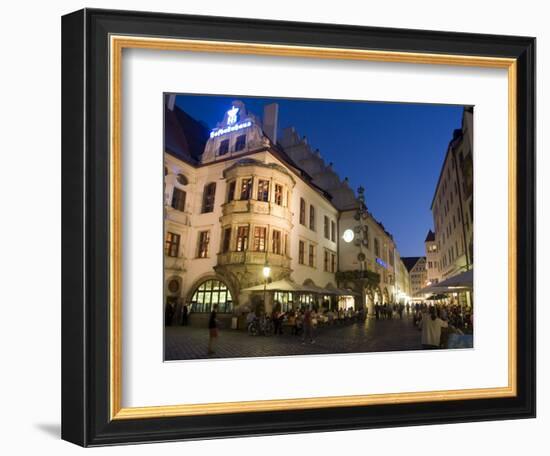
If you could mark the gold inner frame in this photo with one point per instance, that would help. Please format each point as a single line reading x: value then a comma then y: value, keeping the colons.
x: 117, y: 44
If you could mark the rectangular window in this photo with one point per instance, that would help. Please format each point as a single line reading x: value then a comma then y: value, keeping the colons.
x: 172, y: 244
x: 246, y: 188
x: 278, y: 194
x: 276, y: 242
x: 302, y: 211
x: 327, y: 228
x: 242, y: 238
x: 226, y: 239
x: 301, y: 252
x: 263, y: 190
x: 224, y: 147
x: 178, y: 199
x: 231, y: 191
x: 240, y: 143
x: 332, y: 262
x: 204, y: 239
x: 311, y: 218
x: 391, y: 255
x: 208, y: 197
x: 326, y: 262
x: 376, y: 247
x: 333, y: 231
x: 259, y: 238
x: 311, y: 257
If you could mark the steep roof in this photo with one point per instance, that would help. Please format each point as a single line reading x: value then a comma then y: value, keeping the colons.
x: 409, y: 262
x: 184, y: 136
x: 430, y: 237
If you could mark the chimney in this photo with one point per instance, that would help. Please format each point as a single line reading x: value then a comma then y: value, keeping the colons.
x: 171, y: 101
x: 271, y: 117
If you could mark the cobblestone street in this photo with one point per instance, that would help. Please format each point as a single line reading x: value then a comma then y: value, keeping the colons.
x: 371, y: 336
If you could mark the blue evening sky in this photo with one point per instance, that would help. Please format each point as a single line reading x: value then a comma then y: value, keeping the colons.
x: 395, y: 150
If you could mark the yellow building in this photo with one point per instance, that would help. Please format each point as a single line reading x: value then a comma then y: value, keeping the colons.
x: 237, y: 200
x: 452, y: 204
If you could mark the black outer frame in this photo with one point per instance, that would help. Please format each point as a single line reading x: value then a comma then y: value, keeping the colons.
x: 85, y: 227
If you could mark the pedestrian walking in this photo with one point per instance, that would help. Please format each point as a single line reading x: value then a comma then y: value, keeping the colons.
x: 212, y: 330
x: 184, y: 315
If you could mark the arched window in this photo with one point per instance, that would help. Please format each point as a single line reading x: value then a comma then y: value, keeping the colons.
x: 208, y: 294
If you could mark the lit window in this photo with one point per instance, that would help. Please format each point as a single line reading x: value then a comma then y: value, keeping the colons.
x: 242, y: 238
x: 172, y: 244
x: 231, y: 191
x: 259, y: 238
x: 263, y: 190
x: 204, y: 240
x: 246, y: 188
x: 210, y: 293
x: 278, y: 194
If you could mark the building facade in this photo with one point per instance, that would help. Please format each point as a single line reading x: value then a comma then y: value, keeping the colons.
x: 418, y: 275
x: 452, y: 205
x: 432, y: 259
x: 237, y: 200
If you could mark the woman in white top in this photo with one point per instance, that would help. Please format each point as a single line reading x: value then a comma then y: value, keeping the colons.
x: 431, y: 326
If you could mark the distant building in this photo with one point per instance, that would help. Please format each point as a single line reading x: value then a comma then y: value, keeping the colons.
x: 432, y: 259
x: 237, y: 200
x: 452, y: 204
x: 418, y: 274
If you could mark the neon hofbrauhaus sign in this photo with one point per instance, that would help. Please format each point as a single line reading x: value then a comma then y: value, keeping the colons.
x: 232, y: 124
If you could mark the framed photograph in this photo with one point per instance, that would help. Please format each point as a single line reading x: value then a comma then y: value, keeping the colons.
x: 278, y: 227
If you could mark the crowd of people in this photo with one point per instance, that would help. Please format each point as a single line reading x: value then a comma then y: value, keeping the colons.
x: 304, y: 320
x: 438, y: 321
x: 435, y: 321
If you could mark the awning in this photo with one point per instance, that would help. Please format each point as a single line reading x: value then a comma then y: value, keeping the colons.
x: 460, y: 282
x: 287, y: 285
x: 279, y: 285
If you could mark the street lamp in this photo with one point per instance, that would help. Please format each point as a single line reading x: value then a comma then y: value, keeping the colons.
x: 348, y: 235
x: 266, y: 271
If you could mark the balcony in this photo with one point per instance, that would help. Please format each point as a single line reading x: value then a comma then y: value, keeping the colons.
x: 256, y: 207
x: 253, y: 258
